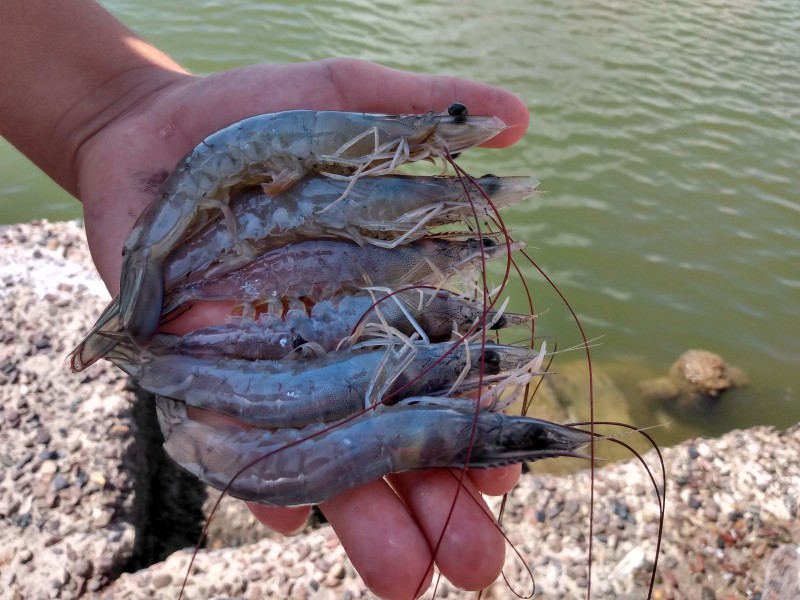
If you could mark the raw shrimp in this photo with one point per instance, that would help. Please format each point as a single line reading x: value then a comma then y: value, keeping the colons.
x: 275, y: 151
x: 296, y: 393
x: 292, y: 467
x: 319, y: 269
x: 436, y: 315
x: 356, y: 408
x: 385, y: 211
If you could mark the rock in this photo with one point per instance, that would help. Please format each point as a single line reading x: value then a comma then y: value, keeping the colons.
x: 161, y: 580
x: 696, y: 380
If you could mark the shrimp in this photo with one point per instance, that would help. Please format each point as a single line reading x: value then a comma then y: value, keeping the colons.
x: 275, y: 151
x: 319, y: 269
x: 295, y: 393
x: 291, y: 467
x: 386, y: 211
x: 436, y: 315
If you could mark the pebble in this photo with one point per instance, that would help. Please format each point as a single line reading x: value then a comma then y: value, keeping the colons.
x: 59, y: 483
x: 48, y: 467
x: 708, y: 593
x: 337, y: 571
x: 119, y: 429
x: 12, y: 418
x: 711, y: 512
x: 102, y: 520
x: 161, y: 580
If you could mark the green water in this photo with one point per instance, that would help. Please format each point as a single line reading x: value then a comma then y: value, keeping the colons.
x: 666, y: 134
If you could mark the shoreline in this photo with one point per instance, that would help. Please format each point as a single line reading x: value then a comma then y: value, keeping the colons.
x: 72, y: 487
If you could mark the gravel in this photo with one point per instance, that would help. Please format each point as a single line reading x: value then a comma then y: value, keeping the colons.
x: 76, y: 470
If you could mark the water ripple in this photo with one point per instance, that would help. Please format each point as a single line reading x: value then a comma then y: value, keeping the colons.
x: 666, y: 134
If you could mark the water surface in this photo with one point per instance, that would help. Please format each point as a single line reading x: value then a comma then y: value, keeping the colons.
x: 666, y: 136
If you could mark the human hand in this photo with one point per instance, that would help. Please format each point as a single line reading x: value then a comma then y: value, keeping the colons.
x: 389, y: 529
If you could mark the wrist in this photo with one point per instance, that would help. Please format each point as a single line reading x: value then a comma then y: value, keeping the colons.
x: 69, y: 69
x: 124, y: 99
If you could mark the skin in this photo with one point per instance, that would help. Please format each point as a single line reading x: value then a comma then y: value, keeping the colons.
x: 99, y: 111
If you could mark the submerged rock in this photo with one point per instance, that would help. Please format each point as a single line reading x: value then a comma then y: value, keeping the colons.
x: 696, y: 380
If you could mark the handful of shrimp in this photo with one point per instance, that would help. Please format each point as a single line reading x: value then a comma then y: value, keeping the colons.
x: 358, y: 348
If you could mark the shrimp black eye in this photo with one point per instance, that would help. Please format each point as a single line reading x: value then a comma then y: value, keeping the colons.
x: 489, y: 243
x: 500, y: 323
x: 456, y: 109
x: 491, y: 184
x: 491, y: 362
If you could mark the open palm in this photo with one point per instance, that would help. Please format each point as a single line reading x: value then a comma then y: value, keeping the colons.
x: 389, y: 529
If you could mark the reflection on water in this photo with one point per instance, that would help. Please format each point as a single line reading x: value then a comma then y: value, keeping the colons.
x: 665, y: 135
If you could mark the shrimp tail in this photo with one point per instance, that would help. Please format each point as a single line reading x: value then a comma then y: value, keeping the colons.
x: 97, y: 343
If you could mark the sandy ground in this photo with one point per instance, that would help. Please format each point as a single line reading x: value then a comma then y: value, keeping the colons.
x: 75, y: 475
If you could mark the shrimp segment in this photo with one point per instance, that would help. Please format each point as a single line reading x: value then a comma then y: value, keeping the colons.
x: 293, y: 467
x: 275, y: 151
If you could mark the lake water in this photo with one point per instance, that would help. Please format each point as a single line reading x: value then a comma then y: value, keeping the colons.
x: 666, y: 135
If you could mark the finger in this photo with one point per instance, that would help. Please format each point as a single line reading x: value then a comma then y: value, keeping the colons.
x: 285, y: 520
x: 496, y: 482
x: 382, y: 540
x: 199, y: 315
x: 361, y: 86
x: 471, y: 550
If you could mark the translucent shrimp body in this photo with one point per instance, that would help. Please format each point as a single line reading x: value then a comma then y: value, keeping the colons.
x: 385, y: 211
x: 293, y: 393
x: 321, y: 268
x: 273, y: 150
x: 310, y: 465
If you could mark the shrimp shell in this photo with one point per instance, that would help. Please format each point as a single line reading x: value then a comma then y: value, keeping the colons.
x: 321, y: 268
x: 293, y: 467
x: 290, y: 393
